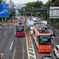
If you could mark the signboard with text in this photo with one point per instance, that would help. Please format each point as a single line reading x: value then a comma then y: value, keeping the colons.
x: 43, y: 11
x: 4, y: 13
x: 54, y: 12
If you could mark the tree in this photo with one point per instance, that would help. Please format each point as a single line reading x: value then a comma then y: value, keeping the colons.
x: 48, y: 4
x: 53, y: 1
x: 35, y: 4
x: 56, y: 3
x: 12, y: 14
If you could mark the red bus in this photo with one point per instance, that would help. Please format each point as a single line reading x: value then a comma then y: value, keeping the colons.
x: 20, y: 30
x: 42, y: 39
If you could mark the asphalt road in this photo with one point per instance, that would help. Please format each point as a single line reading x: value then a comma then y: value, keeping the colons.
x: 20, y: 50
x: 16, y: 48
x: 6, y: 39
x: 54, y: 42
x: 10, y: 46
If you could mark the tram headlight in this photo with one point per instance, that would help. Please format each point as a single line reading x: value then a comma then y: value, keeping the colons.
x: 49, y: 47
x: 40, y: 47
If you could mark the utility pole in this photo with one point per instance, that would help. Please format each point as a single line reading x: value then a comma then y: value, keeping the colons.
x: 37, y: 6
x: 0, y: 1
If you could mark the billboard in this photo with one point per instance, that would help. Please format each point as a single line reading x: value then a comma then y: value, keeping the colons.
x: 54, y: 12
x: 43, y: 11
x: 4, y: 13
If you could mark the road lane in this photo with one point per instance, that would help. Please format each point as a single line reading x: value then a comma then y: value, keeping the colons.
x: 2, y: 31
x: 53, y: 43
x: 6, y: 42
x: 20, y: 50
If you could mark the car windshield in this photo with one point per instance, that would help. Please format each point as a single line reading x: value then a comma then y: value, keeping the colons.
x: 20, y: 28
x: 44, y: 40
x: 47, y: 57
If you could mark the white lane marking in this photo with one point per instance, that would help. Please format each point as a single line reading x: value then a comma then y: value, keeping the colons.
x: 23, y: 50
x: 32, y: 56
x: 5, y: 33
x: 31, y: 51
x: 30, y: 48
x: 15, y: 33
x: 14, y: 53
x: 11, y: 45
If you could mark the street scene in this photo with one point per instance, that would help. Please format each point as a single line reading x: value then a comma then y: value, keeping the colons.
x: 29, y: 30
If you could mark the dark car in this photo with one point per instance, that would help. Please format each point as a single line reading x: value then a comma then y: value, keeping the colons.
x: 47, y: 57
x: 52, y: 33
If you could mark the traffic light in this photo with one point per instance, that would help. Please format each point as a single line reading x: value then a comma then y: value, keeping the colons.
x: 53, y: 1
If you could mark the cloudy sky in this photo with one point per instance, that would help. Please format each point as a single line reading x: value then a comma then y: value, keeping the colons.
x: 25, y: 1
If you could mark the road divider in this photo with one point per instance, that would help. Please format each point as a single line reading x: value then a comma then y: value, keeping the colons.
x: 30, y: 47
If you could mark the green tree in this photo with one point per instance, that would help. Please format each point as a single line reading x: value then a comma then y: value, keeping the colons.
x: 48, y: 4
x: 35, y: 4
x: 56, y: 3
x: 12, y: 14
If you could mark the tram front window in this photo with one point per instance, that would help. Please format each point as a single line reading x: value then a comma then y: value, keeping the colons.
x: 46, y: 40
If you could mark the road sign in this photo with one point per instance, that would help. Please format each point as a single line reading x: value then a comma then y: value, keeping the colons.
x: 54, y: 12
x: 43, y: 11
x: 4, y: 11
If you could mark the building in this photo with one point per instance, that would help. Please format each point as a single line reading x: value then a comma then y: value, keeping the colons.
x: 2, y: 1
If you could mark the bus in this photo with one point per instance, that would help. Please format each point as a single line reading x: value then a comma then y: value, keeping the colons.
x: 42, y: 39
x: 20, y: 30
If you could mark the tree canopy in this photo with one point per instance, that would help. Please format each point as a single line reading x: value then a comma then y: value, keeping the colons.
x: 56, y: 3
x: 35, y: 4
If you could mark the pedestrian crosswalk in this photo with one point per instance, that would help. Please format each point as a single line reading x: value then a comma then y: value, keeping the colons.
x: 7, y: 27
x: 12, y: 24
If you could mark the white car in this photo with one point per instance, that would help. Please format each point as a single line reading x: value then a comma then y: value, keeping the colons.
x: 31, y: 30
x: 56, y: 51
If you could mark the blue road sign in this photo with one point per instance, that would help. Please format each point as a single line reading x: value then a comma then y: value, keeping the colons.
x: 4, y: 6
x: 43, y: 11
x: 4, y: 13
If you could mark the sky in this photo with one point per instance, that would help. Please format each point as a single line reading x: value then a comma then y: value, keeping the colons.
x: 25, y: 1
